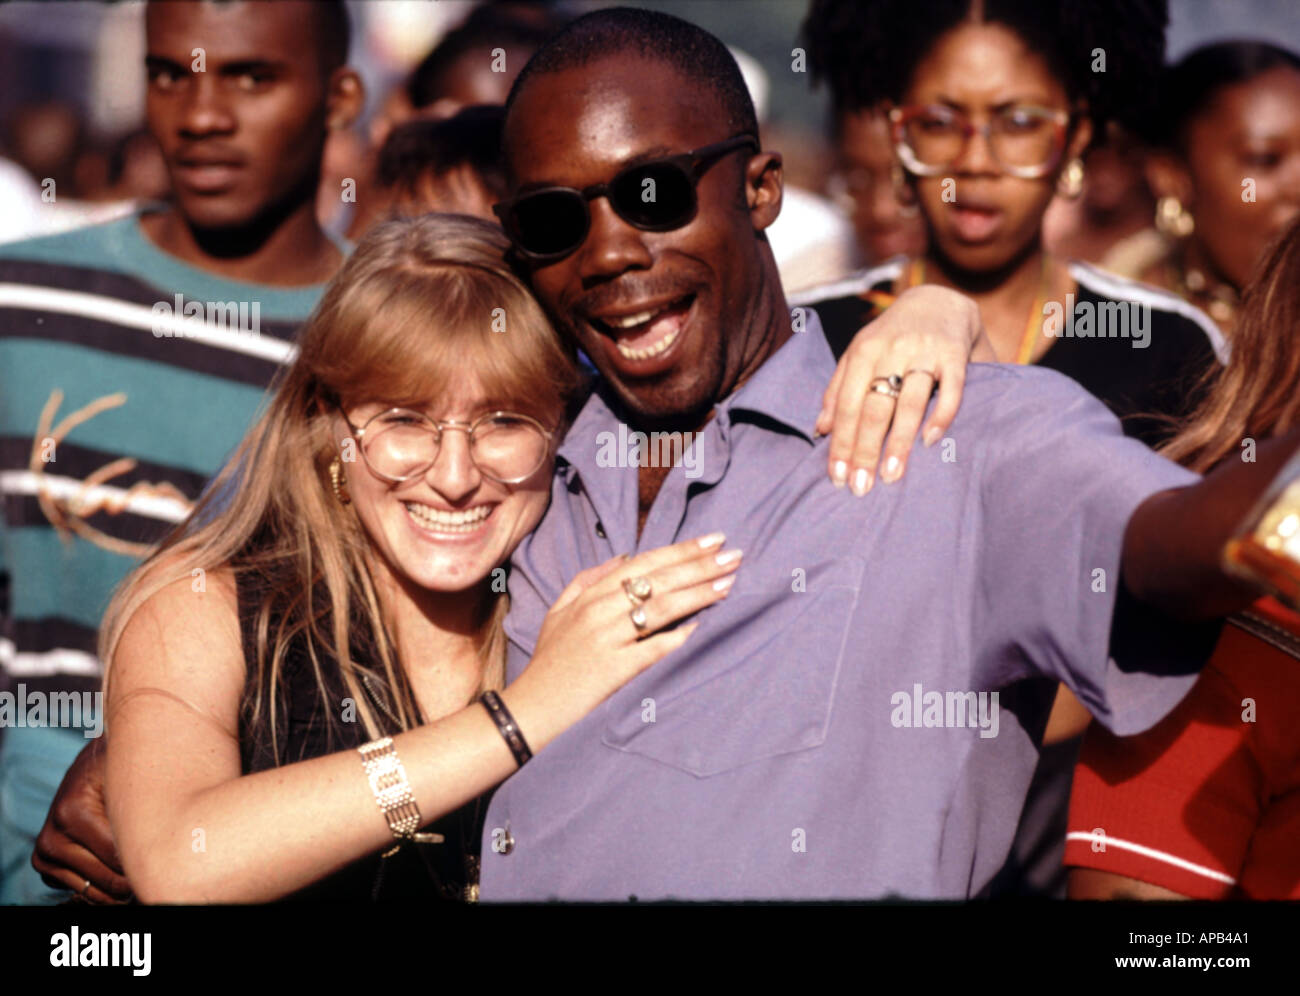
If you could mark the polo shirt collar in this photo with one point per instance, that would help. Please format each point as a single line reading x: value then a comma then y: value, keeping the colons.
x: 788, y: 388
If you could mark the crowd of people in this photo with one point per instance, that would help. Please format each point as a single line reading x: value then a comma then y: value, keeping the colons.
x: 735, y: 556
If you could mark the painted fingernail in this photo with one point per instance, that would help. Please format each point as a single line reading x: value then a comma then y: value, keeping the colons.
x: 893, y: 470
x: 727, y: 557
x: 932, y: 435
x: 710, y: 541
x: 861, y: 483
x: 839, y: 473
x: 722, y: 584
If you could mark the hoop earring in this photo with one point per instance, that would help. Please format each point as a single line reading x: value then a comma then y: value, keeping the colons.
x: 1070, y: 183
x: 1173, y: 219
x: 903, y: 193
x: 338, y: 479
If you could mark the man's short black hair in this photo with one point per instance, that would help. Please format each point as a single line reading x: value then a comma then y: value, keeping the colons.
x: 687, y: 48
x: 471, y: 137
x: 487, y: 27
x: 869, y: 50
x: 334, y: 33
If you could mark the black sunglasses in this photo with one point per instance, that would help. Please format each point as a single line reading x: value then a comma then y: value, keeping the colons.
x: 658, y: 195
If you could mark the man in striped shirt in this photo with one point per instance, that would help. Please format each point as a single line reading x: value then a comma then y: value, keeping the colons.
x: 133, y: 357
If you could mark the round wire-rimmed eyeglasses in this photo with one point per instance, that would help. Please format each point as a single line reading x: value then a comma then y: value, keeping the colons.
x: 400, y: 444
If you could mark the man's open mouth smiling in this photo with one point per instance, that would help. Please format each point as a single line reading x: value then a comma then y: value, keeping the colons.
x: 641, y: 336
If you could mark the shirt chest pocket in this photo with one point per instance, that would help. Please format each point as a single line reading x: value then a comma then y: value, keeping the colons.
x: 755, y: 681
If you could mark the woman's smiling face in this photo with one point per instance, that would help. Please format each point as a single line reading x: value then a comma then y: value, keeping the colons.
x: 980, y: 217
x: 446, y: 529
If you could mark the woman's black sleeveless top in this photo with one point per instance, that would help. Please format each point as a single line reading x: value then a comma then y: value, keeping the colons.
x: 442, y: 872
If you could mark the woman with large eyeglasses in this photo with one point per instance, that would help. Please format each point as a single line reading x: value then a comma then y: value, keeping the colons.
x: 992, y: 106
x: 304, y: 682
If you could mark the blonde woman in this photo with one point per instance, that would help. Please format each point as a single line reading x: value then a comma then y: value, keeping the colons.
x: 344, y: 594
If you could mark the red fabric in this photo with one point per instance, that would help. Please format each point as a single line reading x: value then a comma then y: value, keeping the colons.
x: 1204, y: 786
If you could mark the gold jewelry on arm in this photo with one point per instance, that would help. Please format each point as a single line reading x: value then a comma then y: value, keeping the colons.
x: 392, y: 791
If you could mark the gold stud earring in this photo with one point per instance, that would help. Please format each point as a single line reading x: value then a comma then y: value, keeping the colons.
x: 1173, y: 219
x: 1070, y: 183
x: 338, y: 479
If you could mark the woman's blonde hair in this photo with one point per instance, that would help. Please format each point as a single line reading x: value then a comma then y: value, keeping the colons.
x: 420, y: 303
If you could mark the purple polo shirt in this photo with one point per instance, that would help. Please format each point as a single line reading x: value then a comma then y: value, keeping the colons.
x: 829, y: 731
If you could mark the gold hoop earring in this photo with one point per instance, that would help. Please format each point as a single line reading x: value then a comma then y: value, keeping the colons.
x: 1070, y: 183
x: 903, y: 194
x: 338, y: 479
x: 1173, y: 219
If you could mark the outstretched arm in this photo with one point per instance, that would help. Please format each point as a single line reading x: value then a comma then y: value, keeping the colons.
x: 1174, y: 542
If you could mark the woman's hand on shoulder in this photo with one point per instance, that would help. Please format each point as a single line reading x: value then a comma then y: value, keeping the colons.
x: 926, y: 337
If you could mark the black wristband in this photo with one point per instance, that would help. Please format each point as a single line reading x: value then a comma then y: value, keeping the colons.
x: 507, y: 726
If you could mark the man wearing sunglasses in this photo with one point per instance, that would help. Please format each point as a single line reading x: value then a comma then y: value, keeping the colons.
x: 658, y: 195
x: 832, y: 729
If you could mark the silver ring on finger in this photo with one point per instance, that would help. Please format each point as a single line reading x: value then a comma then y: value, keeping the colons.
x: 637, y: 615
x: 637, y: 589
x: 85, y: 889
x: 885, y: 385
x: 893, y: 380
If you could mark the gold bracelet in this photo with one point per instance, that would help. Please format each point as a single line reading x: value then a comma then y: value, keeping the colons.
x: 392, y: 791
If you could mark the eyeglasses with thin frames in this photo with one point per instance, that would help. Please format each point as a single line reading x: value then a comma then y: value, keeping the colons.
x: 400, y: 444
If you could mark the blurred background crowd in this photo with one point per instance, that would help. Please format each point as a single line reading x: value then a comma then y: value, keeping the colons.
x: 71, y: 111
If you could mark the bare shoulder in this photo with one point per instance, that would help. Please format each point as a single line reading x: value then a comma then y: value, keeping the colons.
x: 180, y: 594
x: 183, y: 638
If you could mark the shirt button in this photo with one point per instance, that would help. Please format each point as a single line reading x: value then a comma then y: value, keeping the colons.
x: 600, y: 530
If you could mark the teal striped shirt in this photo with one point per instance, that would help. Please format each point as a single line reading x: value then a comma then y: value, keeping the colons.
x: 127, y: 378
